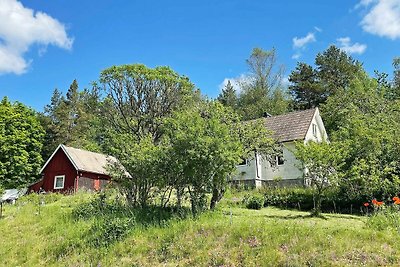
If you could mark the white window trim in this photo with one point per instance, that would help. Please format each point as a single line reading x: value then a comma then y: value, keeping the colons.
x: 55, y: 181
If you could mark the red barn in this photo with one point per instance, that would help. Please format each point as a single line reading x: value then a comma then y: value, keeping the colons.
x: 69, y: 169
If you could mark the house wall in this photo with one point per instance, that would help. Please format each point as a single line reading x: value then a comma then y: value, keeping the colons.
x: 261, y: 172
x: 290, y: 170
x: 59, y: 165
x: 92, y: 181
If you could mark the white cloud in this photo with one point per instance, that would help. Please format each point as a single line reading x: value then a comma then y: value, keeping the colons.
x: 317, y: 29
x: 300, y: 43
x: 382, y: 17
x: 346, y: 45
x: 20, y: 28
x: 235, y: 82
x: 303, y: 41
x: 296, y: 56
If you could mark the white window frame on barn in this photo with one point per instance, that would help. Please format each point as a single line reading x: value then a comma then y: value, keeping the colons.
x: 55, y: 181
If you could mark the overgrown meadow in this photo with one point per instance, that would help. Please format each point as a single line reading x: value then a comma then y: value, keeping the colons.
x: 99, y: 230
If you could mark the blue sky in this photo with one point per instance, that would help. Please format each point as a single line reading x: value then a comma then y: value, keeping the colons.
x: 46, y: 44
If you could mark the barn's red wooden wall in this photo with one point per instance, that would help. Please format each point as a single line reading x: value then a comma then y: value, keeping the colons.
x: 59, y: 165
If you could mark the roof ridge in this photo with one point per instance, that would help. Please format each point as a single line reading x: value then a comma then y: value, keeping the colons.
x: 85, y: 150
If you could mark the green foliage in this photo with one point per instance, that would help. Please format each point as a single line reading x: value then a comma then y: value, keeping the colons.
x: 138, y: 100
x: 228, y: 96
x: 261, y: 91
x: 255, y: 202
x: 21, y: 138
x: 305, y: 87
x: 289, y: 197
x: 321, y: 161
x: 386, y: 218
x: 205, y: 148
x: 333, y: 72
x: 72, y: 119
x: 368, y: 125
x: 267, y: 237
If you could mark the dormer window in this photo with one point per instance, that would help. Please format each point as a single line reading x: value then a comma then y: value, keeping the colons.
x: 314, y: 129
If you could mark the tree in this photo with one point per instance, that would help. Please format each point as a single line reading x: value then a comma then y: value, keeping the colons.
x: 259, y: 87
x: 369, y: 124
x: 138, y: 100
x: 228, y: 96
x: 206, y: 144
x: 394, y: 92
x: 305, y: 87
x: 333, y: 72
x: 71, y: 119
x: 21, y: 137
x: 321, y: 161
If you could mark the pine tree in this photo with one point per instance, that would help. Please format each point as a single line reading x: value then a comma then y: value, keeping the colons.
x: 228, y: 96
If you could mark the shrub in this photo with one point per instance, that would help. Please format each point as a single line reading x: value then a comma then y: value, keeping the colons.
x: 302, y: 198
x: 105, y: 232
x: 255, y: 202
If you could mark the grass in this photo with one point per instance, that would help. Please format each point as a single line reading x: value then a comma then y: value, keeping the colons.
x: 230, y: 236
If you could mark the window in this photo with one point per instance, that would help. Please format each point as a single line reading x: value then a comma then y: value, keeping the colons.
x: 314, y: 129
x: 59, y: 182
x: 243, y: 162
x: 280, y: 160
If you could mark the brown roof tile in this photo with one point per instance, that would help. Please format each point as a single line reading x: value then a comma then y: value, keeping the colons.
x: 291, y: 126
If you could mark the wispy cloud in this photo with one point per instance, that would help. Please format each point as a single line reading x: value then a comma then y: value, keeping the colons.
x: 235, y: 82
x: 303, y: 41
x: 351, y: 48
x: 20, y: 28
x: 382, y: 17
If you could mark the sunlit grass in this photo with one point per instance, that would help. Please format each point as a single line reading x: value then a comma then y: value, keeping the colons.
x: 230, y: 236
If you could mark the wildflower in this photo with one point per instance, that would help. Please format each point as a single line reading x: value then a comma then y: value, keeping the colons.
x: 366, y: 204
x: 396, y: 200
x: 377, y: 203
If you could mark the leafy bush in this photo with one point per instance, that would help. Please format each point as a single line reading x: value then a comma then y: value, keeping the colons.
x: 105, y: 232
x: 302, y: 198
x: 255, y: 202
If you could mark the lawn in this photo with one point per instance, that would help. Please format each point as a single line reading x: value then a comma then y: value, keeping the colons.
x: 230, y: 236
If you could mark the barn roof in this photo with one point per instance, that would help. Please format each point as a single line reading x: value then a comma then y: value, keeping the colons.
x: 84, y: 160
x: 291, y: 126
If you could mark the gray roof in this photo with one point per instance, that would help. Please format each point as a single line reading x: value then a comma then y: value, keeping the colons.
x: 291, y: 126
x: 89, y: 161
x: 84, y: 160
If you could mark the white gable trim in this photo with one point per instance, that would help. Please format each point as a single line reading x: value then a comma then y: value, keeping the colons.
x: 52, y: 155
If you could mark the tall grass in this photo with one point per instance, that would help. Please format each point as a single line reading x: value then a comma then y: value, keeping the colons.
x: 88, y: 230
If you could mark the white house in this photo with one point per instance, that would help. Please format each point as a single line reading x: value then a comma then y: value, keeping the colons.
x: 297, y: 126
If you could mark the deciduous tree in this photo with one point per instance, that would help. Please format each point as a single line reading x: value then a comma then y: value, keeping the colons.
x: 21, y: 137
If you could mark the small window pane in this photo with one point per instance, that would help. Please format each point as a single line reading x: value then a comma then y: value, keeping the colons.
x: 59, y: 182
x: 280, y: 160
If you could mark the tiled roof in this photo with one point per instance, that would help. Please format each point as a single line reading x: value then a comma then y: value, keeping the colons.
x: 291, y: 126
